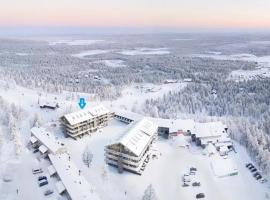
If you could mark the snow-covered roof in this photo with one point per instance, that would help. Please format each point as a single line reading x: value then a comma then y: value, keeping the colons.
x: 138, y: 136
x: 76, y: 185
x: 51, y: 170
x: 127, y: 114
x: 180, y: 141
x: 209, y: 129
x: 223, y: 167
x: 175, y: 124
x: 43, y: 149
x: 223, y: 149
x: 86, y: 114
x: 48, y: 102
x: 210, y: 149
x: 47, y: 139
x: 60, y: 187
x: 33, y: 139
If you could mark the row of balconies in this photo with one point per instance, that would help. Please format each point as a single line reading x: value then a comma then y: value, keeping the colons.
x: 136, y: 161
x: 126, y: 166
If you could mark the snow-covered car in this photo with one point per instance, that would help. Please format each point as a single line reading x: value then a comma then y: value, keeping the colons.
x: 43, y: 183
x: 36, y: 171
x: 192, y: 172
x: 7, y: 178
x: 48, y: 192
x: 185, y: 185
x: 193, y: 169
x: 186, y: 179
x: 248, y: 165
x: 196, y: 184
x: 40, y: 178
x: 200, y: 196
x: 264, y: 180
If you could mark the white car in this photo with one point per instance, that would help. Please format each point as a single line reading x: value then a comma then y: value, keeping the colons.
x: 37, y: 171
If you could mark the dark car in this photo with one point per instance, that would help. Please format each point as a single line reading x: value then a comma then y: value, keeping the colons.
x: 185, y: 185
x: 256, y: 174
x: 196, y: 184
x: 37, y: 171
x: 40, y: 178
x: 249, y: 164
x: 252, y: 167
x: 43, y: 183
x: 193, y: 169
x: 200, y: 196
x: 48, y: 192
x: 258, y: 177
x: 253, y: 170
x: 35, y: 151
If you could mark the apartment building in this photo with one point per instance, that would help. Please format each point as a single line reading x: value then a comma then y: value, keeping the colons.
x: 85, y: 121
x: 133, y: 149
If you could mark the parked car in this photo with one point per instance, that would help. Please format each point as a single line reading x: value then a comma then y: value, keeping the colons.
x: 192, y: 173
x: 185, y: 185
x: 43, y: 183
x: 256, y: 174
x: 35, y: 151
x: 200, y: 196
x: 40, y: 178
x: 187, y: 179
x: 258, y: 177
x: 196, y: 184
x: 193, y: 169
x: 248, y: 164
x: 252, y: 167
x: 253, y: 170
x: 48, y: 192
x: 36, y: 171
x: 264, y: 180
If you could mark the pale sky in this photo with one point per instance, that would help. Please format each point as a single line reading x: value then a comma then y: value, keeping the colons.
x: 136, y: 13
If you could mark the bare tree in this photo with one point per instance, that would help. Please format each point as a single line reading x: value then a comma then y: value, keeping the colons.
x: 87, y: 157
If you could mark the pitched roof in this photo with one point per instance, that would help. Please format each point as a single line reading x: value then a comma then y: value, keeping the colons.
x: 86, y: 114
x: 76, y: 185
x: 138, y: 136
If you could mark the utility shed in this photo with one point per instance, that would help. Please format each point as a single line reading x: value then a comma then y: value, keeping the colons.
x: 72, y: 181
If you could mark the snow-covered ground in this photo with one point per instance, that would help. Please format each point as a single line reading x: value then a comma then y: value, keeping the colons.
x: 90, y: 53
x: 114, y: 63
x: 74, y: 42
x: 262, y: 71
x: 134, y: 96
x: 164, y: 172
x: 145, y: 51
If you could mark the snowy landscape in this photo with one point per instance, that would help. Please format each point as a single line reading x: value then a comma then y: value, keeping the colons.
x: 207, y: 96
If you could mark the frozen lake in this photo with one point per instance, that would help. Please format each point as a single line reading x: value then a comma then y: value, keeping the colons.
x: 90, y: 53
x: 145, y: 51
x: 74, y: 42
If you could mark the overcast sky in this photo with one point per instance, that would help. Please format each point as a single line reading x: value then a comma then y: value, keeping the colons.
x: 253, y: 14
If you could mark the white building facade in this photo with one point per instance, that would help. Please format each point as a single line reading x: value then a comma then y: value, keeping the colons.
x: 133, y: 150
x: 85, y: 121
